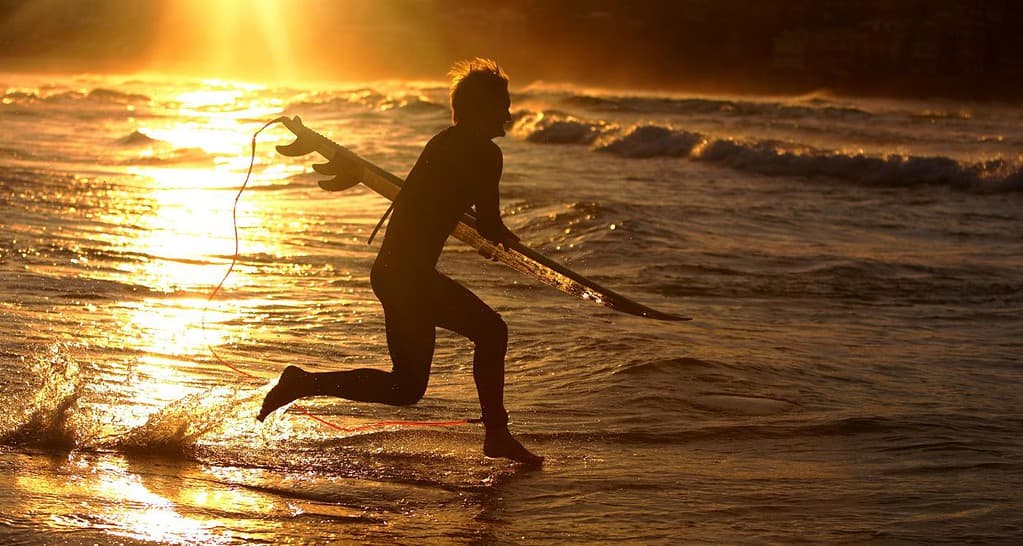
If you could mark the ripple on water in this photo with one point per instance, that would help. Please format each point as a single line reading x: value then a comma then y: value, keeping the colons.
x: 740, y: 404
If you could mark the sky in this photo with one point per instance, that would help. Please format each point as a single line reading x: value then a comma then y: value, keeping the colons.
x: 961, y: 48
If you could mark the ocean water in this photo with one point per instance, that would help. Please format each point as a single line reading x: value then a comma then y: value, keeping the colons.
x: 852, y: 373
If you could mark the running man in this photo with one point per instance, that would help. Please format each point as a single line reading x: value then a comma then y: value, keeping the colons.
x: 459, y: 169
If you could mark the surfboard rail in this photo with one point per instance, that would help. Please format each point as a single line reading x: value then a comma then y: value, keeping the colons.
x: 516, y: 256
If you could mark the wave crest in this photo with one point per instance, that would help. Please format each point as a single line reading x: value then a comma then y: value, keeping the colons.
x: 770, y: 159
x: 98, y: 94
x: 800, y: 108
x: 110, y: 95
x: 643, y: 141
x: 775, y: 158
x: 367, y: 99
x: 558, y: 128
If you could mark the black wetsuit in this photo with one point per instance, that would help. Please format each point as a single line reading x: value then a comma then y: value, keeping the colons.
x: 456, y: 171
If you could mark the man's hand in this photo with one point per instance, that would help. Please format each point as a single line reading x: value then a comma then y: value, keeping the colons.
x: 508, y: 238
x: 502, y: 241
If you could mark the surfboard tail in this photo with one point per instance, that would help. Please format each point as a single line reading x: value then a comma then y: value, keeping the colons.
x: 308, y: 141
x: 342, y: 180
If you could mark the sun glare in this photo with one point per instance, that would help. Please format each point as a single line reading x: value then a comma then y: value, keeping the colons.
x: 239, y: 38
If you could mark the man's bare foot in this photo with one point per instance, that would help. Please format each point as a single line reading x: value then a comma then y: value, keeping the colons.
x: 286, y: 391
x: 500, y: 443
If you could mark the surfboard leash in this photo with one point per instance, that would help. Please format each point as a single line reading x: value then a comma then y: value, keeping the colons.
x: 254, y: 378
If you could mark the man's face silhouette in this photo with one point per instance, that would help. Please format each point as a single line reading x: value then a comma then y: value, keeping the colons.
x: 496, y: 115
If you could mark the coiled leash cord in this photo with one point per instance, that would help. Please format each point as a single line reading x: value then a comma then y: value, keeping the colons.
x: 253, y: 378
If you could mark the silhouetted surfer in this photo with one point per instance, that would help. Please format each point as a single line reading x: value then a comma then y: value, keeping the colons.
x: 459, y: 168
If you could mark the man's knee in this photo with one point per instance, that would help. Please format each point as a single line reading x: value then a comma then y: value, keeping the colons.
x: 407, y: 393
x: 493, y: 333
x: 500, y: 328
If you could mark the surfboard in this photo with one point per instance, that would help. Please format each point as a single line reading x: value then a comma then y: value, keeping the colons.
x: 354, y: 169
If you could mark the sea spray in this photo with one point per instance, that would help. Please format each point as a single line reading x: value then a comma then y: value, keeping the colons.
x: 50, y: 416
x: 51, y: 411
x: 223, y: 412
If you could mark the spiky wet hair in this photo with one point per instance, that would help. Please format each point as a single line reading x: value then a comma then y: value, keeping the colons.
x: 474, y: 82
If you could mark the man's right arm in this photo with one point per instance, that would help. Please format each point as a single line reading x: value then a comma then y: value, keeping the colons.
x: 488, y: 202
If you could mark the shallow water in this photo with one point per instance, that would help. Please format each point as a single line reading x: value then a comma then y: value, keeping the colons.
x: 852, y: 372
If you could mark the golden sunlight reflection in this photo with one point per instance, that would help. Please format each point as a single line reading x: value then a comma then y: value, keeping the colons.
x: 184, y: 240
x: 216, y: 118
x: 185, y: 246
x: 172, y: 326
x: 188, y: 243
x: 130, y: 500
x: 224, y: 97
x: 155, y: 382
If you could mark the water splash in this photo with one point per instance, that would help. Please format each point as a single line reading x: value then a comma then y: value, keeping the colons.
x: 223, y: 412
x: 50, y: 416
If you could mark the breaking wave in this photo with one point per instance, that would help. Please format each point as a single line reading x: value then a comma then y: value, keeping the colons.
x: 110, y: 95
x: 771, y: 157
x: 365, y: 98
x: 667, y: 105
x: 652, y: 141
x: 558, y: 128
x: 97, y: 95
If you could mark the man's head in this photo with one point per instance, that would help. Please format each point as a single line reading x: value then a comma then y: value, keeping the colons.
x: 479, y: 96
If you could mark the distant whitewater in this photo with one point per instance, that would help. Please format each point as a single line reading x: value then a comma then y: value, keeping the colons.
x: 771, y: 157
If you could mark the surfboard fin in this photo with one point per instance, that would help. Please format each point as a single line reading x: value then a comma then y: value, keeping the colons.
x: 307, y: 142
x: 303, y: 144
x: 342, y: 180
x: 299, y: 147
